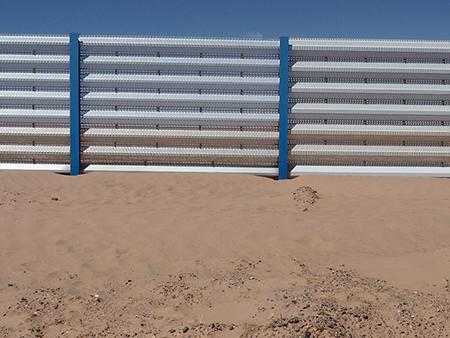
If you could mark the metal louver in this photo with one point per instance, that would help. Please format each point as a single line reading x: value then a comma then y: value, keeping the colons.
x: 34, y: 103
x: 182, y: 103
x: 369, y: 106
x: 260, y: 106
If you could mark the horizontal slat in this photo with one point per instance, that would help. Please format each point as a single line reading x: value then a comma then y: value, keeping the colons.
x: 181, y: 82
x: 185, y: 152
x: 30, y: 116
x: 30, y: 97
x: 184, y: 100
x: 34, y: 39
x: 363, y: 69
x: 179, y: 137
x: 179, y: 118
x: 5, y: 131
x: 29, y: 135
x: 29, y: 149
x: 343, y: 45
x: 366, y: 90
x: 58, y: 168
x: 384, y: 151
x: 179, y: 63
x: 181, y: 134
x: 33, y: 59
x: 34, y: 79
x: 371, y: 171
x: 179, y: 42
x: 370, y: 111
x: 369, y: 130
x: 184, y: 169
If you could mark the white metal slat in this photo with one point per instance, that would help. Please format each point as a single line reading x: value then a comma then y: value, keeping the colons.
x: 179, y: 42
x: 185, y: 152
x: 34, y: 59
x: 34, y: 79
x: 28, y: 131
x: 374, y: 46
x: 134, y: 155
x: 382, y: 151
x: 30, y: 116
x: 180, y: 137
x: 33, y: 149
x: 183, y: 169
x: 42, y: 154
x: 180, y: 82
x: 182, y: 134
x: 99, y: 62
x: 370, y: 111
x: 34, y: 39
x: 179, y: 118
x: 368, y: 69
x: 34, y: 135
x: 301, y: 170
x: 180, y: 100
x: 33, y: 97
x: 30, y: 62
x: 184, y: 45
x: 365, y: 90
x: 58, y: 168
x: 330, y: 130
x: 34, y: 44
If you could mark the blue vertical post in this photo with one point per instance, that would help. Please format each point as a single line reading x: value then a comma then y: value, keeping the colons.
x: 283, y: 109
x: 74, y: 55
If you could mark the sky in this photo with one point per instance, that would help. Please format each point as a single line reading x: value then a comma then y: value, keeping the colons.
x: 402, y: 19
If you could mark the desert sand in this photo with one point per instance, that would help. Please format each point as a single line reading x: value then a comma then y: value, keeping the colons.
x: 163, y: 255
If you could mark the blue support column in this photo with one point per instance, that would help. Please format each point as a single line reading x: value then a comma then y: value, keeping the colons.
x: 74, y: 52
x: 283, y: 110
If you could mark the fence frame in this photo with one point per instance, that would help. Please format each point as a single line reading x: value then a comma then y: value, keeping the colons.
x: 75, y: 129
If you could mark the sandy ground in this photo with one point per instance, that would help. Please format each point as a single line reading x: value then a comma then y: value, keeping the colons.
x: 143, y: 255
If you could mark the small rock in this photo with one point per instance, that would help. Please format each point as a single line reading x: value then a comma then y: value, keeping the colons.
x: 294, y: 320
x: 98, y: 298
x: 55, y: 199
x: 185, y: 329
x: 279, y: 323
x: 10, y: 284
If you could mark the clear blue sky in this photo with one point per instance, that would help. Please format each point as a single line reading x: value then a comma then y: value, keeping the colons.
x: 418, y: 19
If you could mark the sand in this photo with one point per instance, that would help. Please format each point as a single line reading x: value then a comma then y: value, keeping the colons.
x: 143, y: 255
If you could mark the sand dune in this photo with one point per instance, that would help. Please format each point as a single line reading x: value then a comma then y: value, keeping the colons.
x: 142, y: 255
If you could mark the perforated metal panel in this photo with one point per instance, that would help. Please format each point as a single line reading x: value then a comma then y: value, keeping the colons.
x: 179, y: 102
x: 369, y: 103
x: 213, y: 105
x: 34, y: 102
